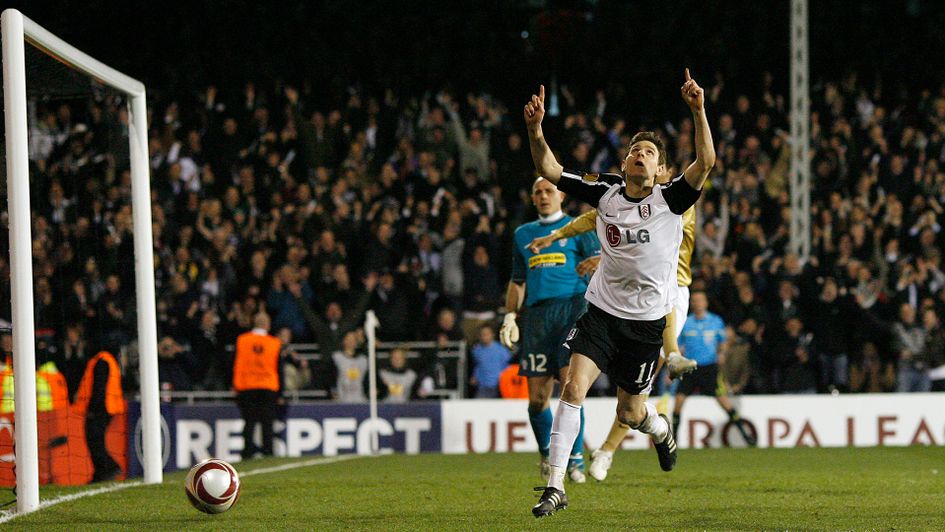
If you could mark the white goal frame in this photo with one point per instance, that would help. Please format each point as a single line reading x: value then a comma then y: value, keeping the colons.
x: 18, y: 30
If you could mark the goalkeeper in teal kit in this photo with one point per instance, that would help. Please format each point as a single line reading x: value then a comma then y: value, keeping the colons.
x: 551, y: 287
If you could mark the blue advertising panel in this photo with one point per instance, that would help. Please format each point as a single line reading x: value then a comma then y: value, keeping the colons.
x: 196, y: 432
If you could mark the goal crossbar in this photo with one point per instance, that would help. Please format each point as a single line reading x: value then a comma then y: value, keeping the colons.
x: 17, y: 30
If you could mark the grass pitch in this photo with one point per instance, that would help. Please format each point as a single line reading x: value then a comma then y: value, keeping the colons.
x: 722, y: 489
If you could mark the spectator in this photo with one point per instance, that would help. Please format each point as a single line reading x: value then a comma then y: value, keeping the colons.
x: 935, y: 349
x: 351, y: 366
x: 798, y: 369
x: 396, y: 301
x: 331, y: 328
x: 295, y: 370
x: 479, y: 305
x: 114, y: 310
x: 74, y: 356
x: 872, y: 375
x: 474, y: 148
x: 252, y: 197
x: 909, y: 341
x: 176, y: 364
x: 287, y: 289
x: 490, y: 358
x: 831, y: 337
x: 209, y: 353
x: 398, y: 380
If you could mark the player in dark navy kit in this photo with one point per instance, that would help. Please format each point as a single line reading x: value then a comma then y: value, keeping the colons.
x: 640, y: 227
x: 548, y: 285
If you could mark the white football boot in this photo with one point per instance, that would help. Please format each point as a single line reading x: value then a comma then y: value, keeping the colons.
x: 679, y: 365
x: 601, y: 461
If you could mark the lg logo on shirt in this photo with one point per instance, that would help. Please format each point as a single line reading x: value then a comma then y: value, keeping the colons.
x: 633, y: 237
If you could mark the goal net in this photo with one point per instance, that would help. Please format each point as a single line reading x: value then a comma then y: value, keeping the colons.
x: 77, y: 305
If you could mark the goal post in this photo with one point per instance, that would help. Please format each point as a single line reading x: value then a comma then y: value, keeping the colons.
x: 17, y: 32
x: 21, y: 264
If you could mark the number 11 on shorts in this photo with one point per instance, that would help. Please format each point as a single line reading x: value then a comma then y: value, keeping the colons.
x: 649, y: 374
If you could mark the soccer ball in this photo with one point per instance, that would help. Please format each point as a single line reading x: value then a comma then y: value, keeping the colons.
x: 212, y: 486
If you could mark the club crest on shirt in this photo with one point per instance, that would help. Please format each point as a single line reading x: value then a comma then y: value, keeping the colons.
x: 644, y: 211
x: 591, y: 177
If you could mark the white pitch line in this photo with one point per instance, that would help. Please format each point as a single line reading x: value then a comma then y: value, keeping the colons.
x: 9, y: 515
x: 296, y: 465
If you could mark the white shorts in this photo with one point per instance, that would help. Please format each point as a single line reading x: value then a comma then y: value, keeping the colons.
x: 681, y: 306
x: 680, y: 309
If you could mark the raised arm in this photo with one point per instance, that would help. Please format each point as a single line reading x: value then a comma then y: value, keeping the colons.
x: 694, y: 96
x: 545, y: 162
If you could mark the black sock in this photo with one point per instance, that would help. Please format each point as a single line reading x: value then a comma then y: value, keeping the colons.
x: 676, y: 419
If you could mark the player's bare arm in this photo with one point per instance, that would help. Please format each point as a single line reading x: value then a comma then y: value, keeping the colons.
x: 698, y: 171
x: 584, y: 223
x: 514, y: 297
x: 545, y: 162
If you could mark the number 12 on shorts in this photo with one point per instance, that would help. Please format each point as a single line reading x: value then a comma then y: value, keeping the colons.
x: 649, y: 374
x: 538, y: 362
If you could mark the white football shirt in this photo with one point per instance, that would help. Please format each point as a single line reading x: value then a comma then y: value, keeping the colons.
x: 639, y: 241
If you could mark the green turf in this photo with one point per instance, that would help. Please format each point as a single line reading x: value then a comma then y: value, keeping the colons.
x: 755, y: 489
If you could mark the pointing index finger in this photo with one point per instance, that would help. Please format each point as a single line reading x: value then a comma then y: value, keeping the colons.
x: 688, y: 77
x: 541, y: 93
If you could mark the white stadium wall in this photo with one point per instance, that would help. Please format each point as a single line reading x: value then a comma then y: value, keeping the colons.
x: 779, y: 421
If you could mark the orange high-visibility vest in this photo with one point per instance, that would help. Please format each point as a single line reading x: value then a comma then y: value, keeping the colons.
x: 257, y: 362
x: 511, y: 384
x: 114, y: 399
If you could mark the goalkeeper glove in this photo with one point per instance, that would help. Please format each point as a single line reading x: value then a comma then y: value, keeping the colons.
x: 508, y: 334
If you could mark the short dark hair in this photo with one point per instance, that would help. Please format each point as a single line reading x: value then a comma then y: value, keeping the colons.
x: 655, y: 139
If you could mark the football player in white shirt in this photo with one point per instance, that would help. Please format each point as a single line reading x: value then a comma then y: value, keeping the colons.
x: 640, y: 229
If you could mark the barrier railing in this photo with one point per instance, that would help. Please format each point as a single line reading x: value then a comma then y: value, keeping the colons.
x: 448, y: 372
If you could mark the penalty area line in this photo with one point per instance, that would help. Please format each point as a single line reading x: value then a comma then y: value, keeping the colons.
x: 9, y: 515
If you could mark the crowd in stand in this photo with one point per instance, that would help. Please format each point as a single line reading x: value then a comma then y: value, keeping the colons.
x: 266, y: 199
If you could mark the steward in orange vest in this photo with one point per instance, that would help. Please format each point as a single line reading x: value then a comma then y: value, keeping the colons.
x: 257, y: 383
x: 100, y: 397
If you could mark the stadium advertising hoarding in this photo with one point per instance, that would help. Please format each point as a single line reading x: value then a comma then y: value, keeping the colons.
x: 779, y: 421
x: 195, y: 432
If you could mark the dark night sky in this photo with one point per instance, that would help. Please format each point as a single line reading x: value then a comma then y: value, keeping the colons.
x: 466, y: 44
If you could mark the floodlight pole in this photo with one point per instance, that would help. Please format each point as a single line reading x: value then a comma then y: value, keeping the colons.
x: 21, y: 262
x: 800, y: 132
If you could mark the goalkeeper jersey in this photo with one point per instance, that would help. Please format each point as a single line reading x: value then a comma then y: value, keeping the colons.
x: 550, y: 273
